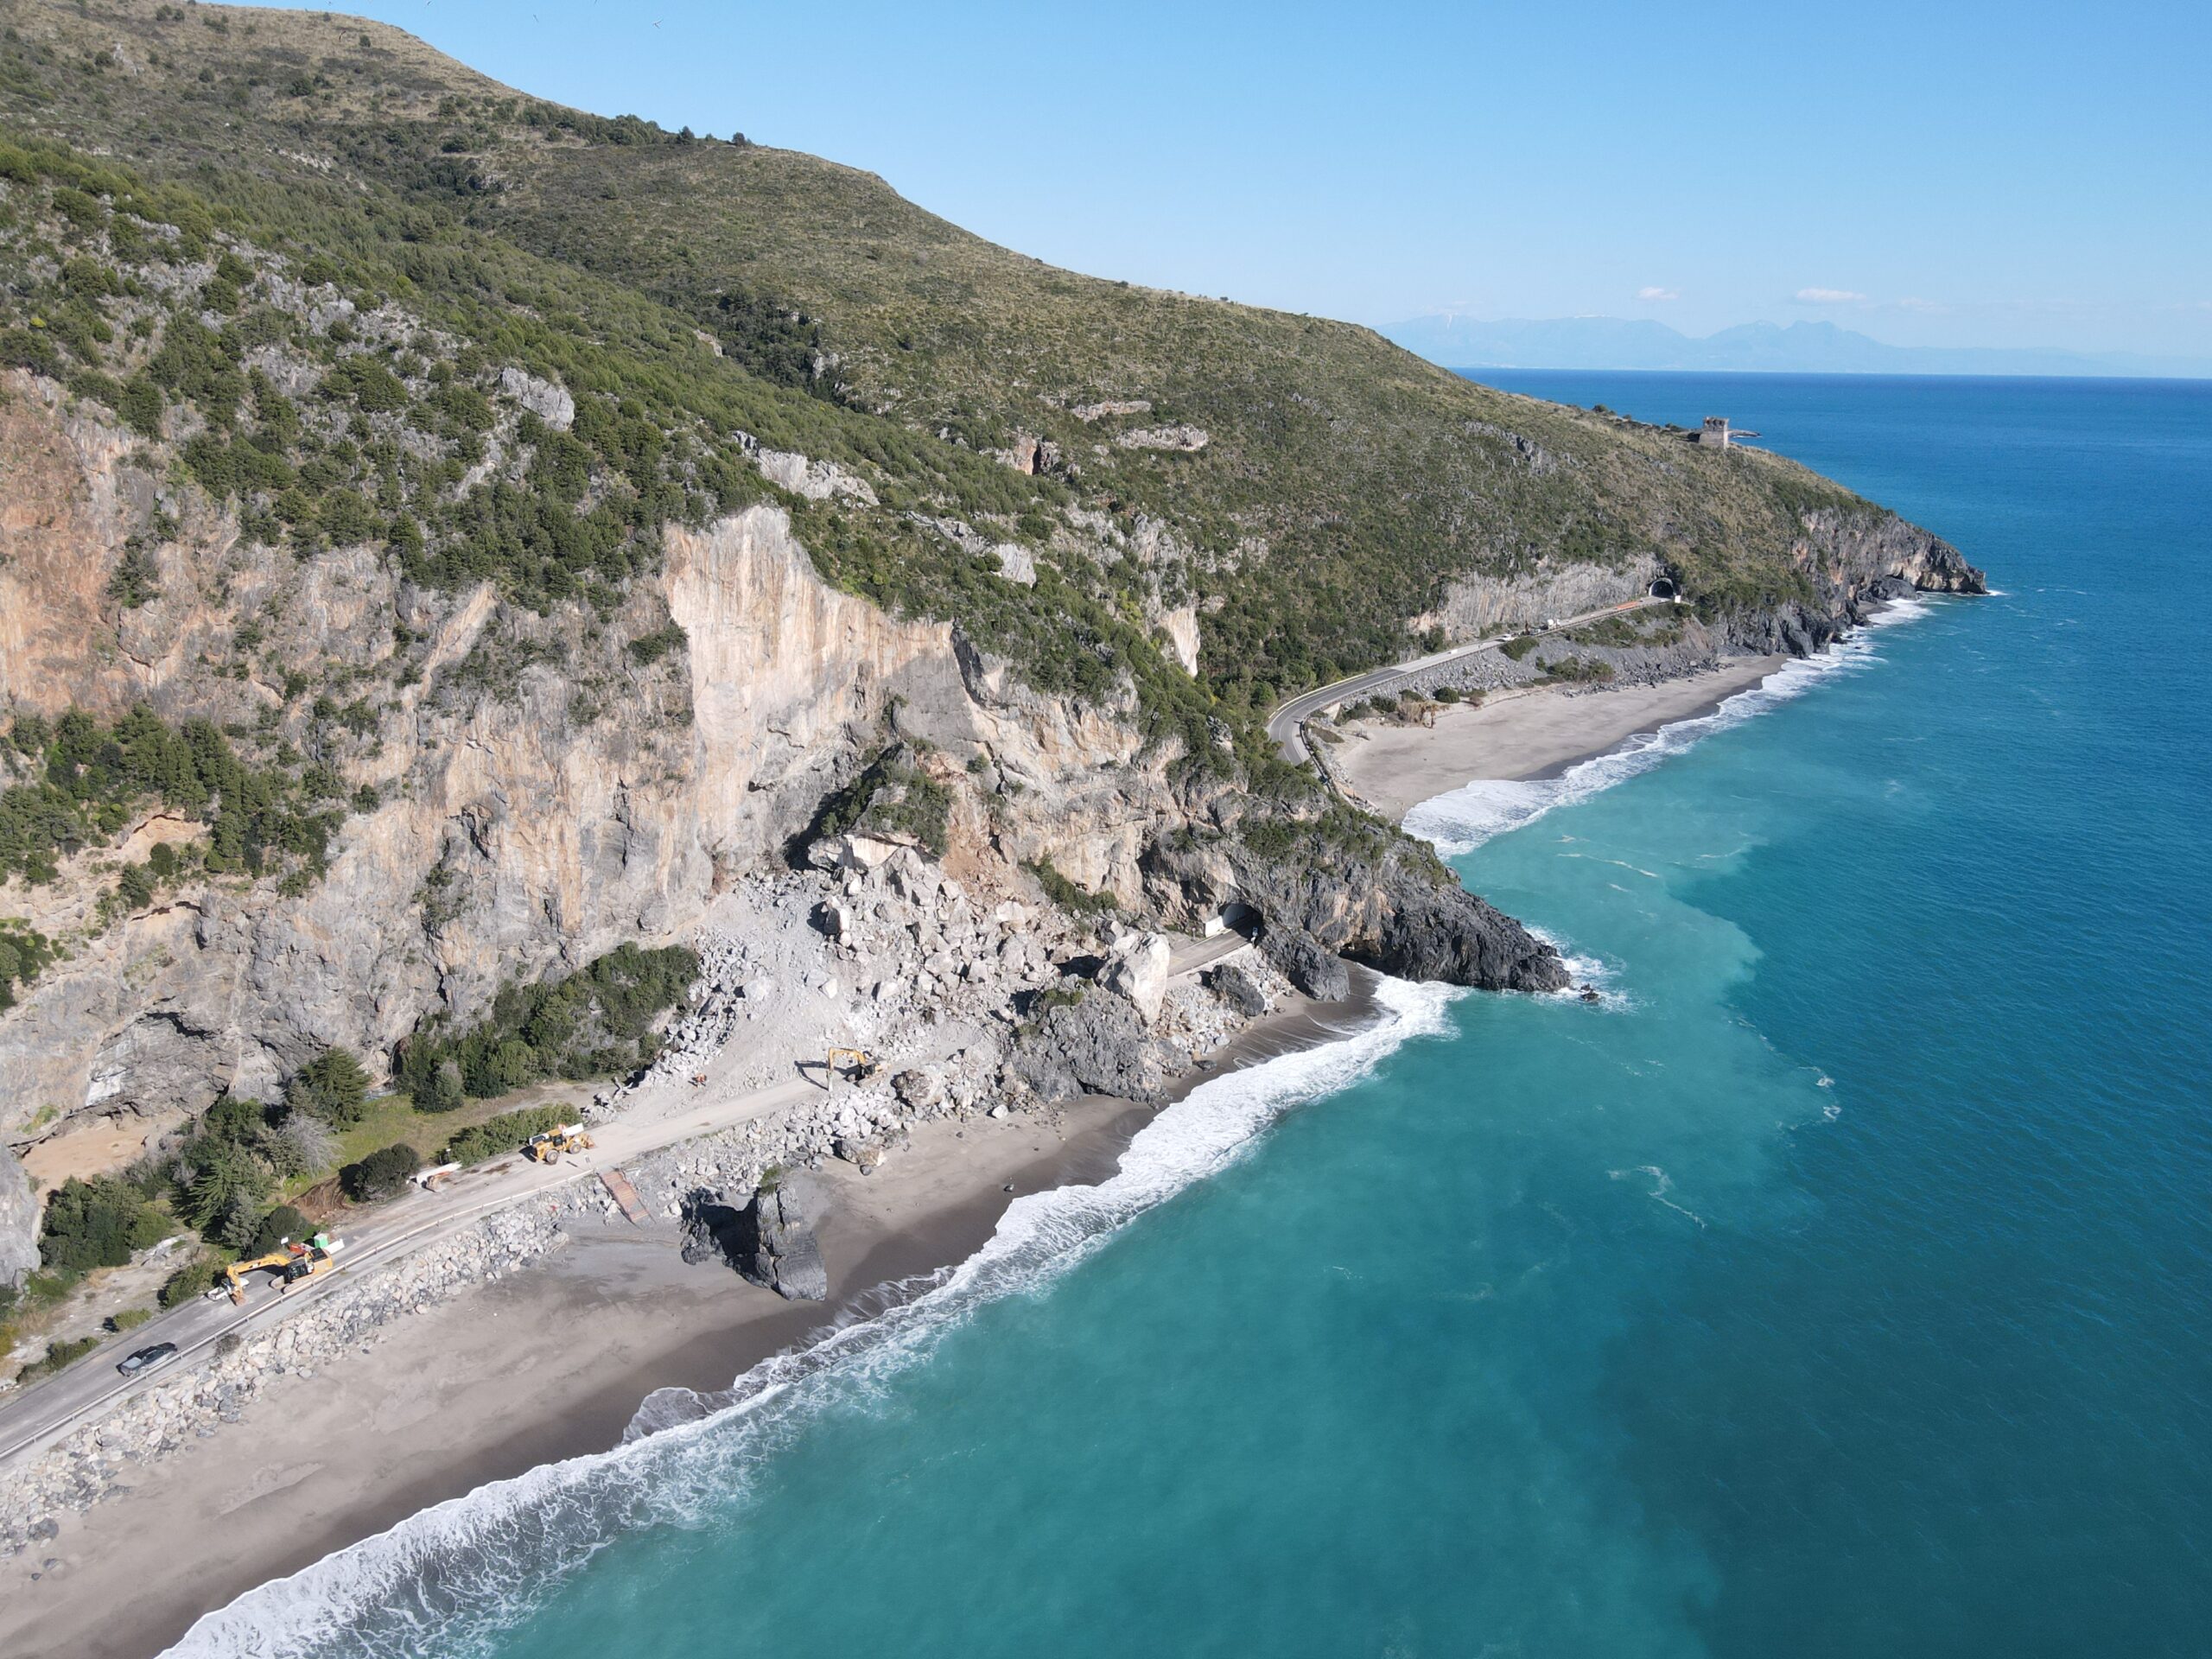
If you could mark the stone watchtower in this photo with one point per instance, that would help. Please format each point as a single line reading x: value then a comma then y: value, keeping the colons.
x: 1718, y: 433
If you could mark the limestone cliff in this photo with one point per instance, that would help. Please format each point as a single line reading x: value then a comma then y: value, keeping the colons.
x: 538, y: 795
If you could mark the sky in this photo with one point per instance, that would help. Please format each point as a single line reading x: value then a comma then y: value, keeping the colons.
x: 1932, y: 174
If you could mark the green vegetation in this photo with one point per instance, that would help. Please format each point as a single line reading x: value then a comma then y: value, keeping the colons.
x: 1652, y: 628
x: 383, y: 1175
x: 1520, y: 645
x: 89, y: 778
x: 24, y: 953
x: 596, y: 1023
x: 684, y: 292
x: 506, y: 1133
x: 893, y: 797
x: 332, y: 1087
x: 101, y: 1223
x: 129, y: 1318
x: 59, y: 1355
x: 279, y: 1225
x: 1067, y: 894
x: 195, y: 1278
x: 1578, y: 671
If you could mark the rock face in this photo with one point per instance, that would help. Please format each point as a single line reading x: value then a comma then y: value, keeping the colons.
x: 777, y: 1247
x: 1477, y: 607
x: 553, y: 831
x: 1392, y: 915
x: 1845, y: 552
x: 18, y: 1221
x: 1317, y: 973
x: 1186, y: 438
x: 549, y: 401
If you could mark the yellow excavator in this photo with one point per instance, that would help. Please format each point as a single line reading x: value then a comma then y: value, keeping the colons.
x: 553, y: 1145
x: 293, y: 1260
x: 860, y: 1066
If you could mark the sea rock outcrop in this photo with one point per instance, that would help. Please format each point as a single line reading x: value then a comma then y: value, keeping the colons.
x: 1317, y: 973
x: 1389, y: 915
x: 776, y: 1244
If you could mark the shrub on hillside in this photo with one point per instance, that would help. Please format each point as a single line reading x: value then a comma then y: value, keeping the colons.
x: 595, y: 1023
x: 279, y: 1225
x: 195, y: 1278
x: 60, y: 1354
x: 101, y: 1223
x: 380, y: 1175
x: 506, y: 1133
x: 332, y: 1086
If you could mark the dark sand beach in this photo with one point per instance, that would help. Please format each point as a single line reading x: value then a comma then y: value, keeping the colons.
x: 548, y: 1364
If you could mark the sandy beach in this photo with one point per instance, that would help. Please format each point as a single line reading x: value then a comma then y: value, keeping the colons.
x: 1521, y: 734
x: 550, y: 1362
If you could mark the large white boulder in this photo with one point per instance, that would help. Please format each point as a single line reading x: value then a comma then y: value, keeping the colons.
x: 1137, y: 968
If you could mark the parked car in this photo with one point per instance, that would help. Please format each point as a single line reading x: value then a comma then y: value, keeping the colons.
x: 146, y: 1359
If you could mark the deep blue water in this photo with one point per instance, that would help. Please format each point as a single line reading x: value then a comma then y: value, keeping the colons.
x: 1839, y: 1288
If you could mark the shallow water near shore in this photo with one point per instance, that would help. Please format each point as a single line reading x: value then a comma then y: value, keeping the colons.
x: 1838, y: 1287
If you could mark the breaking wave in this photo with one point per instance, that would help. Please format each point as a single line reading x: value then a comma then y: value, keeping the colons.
x: 1461, y: 820
x: 446, y: 1582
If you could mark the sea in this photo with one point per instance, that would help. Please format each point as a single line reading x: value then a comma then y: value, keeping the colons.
x: 1839, y: 1285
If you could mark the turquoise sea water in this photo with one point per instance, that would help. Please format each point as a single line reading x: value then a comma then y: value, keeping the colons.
x: 1839, y: 1288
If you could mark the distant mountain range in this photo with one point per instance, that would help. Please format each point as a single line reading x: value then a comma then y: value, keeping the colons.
x: 1800, y: 348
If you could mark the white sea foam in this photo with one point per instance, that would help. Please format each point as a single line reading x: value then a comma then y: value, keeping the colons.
x: 1462, y: 819
x: 446, y: 1581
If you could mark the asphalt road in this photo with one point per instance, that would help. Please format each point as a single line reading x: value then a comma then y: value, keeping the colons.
x: 37, y: 1416
x: 1287, y: 724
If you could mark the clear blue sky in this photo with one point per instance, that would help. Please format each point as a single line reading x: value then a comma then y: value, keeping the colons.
x: 1941, y: 173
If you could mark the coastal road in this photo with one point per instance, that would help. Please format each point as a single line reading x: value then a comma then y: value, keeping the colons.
x: 37, y: 1417
x: 1288, y: 723
x: 47, y: 1411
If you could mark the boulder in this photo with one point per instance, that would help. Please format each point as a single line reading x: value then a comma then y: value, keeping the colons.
x: 920, y: 1088
x: 714, y: 1230
x: 1016, y: 563
x: 1136, y: 968
x: 1097, y: 1046
x: 1306, y: 963
x: 852, y: 853
x: 777, y: 1245
x: 1235, y: 985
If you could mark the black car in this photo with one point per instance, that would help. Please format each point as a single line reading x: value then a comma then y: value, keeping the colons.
x: 146, y: 1359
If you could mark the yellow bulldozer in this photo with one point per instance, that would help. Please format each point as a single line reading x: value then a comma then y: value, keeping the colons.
x: 293, y: 1260
x: 553, y: 1145
x: 859, y: 1065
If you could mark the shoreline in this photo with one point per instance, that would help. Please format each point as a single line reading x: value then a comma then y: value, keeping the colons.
x: 1526, y: 736
x: 548, y: 1363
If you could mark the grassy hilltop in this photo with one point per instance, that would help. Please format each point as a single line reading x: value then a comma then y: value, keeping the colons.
x: 686, y: 289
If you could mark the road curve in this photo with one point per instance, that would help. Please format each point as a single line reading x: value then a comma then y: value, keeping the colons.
x: 1287, y: 723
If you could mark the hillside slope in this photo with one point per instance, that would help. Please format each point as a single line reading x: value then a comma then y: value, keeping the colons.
x: 444, y: 537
